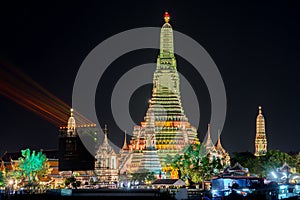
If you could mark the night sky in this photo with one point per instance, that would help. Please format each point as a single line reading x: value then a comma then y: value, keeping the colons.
x: 254, y: 44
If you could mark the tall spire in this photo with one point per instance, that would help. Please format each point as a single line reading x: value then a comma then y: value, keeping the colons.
x: 125, y: 147
x: 166, y: 78
x: 219, y: 145
x: 260, y: 138
x: 166, y: 39
x: 225, y: 158
x: 105, y: 146
x: 208, y: 144
x: 105, y: 135
x: 165, y: 127
x: 208, y: 133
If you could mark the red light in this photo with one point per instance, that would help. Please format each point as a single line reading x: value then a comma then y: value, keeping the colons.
x: 166, y: 14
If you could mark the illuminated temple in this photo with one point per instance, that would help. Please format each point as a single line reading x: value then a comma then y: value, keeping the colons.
x: 165, y: 129
x: 106, y: 161
x: 260, y: 138
x: 215, y: 151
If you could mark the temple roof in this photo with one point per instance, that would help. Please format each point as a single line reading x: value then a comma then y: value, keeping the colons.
x: 105, y: 147
x: 285, y: 168
x: 237, y: 167
x: 208, y: 144
x: 175, y: 182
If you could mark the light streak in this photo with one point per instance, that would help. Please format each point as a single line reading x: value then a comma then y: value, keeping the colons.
x: 20, y: 88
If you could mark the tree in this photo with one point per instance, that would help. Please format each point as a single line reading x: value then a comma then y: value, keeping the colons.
x: 72, y: 181
x: 209, y: 167
x: 263, y: 165
x: 150, y: 177
x: 297, y: 162
x: 31, y: 164
x: 206, y: 169
x: 15, y: 174
x: 69, y: 180
x: 185, y: 163
x: 244, y: 158
x: 194, y: 166
x: 273, y: 160
x: 76, y: 184
x: 168, y: 169
x: 142, y: 176
x: 44, y: 171
x: 248, y: 160
x: 2, y: 180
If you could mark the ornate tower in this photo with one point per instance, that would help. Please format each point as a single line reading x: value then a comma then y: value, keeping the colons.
x: 73, y: 156
x: 260, y: 138
x: 106, y: 161
x: 172, y: 131
x: 71, y: 125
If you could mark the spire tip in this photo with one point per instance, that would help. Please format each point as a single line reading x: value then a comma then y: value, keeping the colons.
x: 167, y: 17
x: 105, y: 129
x: 259, y: 108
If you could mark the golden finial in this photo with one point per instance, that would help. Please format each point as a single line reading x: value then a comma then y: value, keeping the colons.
x: 259, y: 108
x: 166, y: 17
x: 71, y: 110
